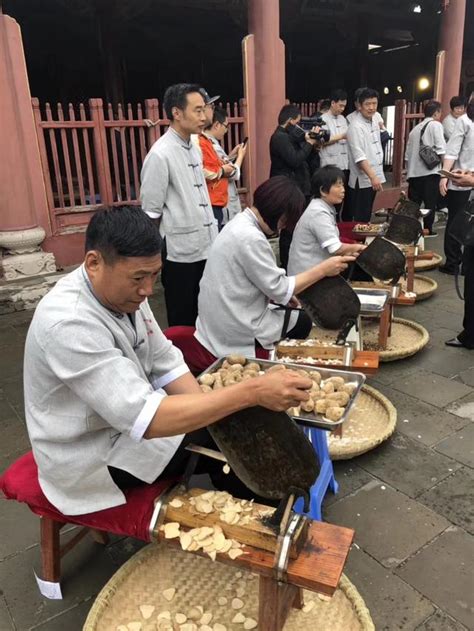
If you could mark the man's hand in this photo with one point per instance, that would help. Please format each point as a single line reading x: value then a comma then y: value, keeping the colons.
x: 294, y: 303
x: 228, y: 170
x: 443, y: 186
x: 241, y: 151
x: 463, y: 178
x: 282, y: 389
x: 334, y: 265
x: 309, y: 140
x: 235, y: 150
x: 376, y: 183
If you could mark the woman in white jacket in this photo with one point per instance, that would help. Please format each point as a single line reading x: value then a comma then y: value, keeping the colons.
x: 241, y: 279
x: 316, y: 236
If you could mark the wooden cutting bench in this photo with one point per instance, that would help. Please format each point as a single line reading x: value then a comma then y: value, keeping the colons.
x: 320, y: 551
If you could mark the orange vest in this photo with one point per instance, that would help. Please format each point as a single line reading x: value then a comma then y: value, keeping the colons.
x: 219, y: 187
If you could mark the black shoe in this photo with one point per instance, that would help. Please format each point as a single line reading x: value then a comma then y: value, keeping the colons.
x: 454, y: 342
x: 432, y: 233
x: 452, y: 271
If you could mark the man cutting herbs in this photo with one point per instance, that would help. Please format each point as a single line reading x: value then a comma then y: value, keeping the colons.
x: 109, y: 400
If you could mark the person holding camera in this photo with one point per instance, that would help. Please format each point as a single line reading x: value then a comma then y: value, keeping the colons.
x: 290, y: 150
x: 423, y: 180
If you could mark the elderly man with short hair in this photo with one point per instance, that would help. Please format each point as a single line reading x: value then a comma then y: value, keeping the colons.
x: 109, y: 401
x: 174, y: 191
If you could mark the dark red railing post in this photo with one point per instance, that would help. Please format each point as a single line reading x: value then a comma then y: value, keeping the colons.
x: 44, y: 160
x: 246, y: 171
x: 152, y: 113
x: 101, y: 152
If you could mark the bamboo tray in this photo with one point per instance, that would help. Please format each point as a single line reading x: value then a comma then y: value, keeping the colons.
x: 427, y: 264
x: 424, y: 287
x: 407, y: 338
x: 372, y: 420
x: 200, y: 582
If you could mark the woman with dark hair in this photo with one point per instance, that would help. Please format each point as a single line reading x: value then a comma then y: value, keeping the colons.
x: 241, y: 279
x: 316, y: 236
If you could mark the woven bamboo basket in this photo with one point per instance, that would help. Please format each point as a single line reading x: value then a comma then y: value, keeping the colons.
x: 200, y: 582
x: 423, y: 286
x: 407, y: 338
x: 424, y: 265
x: 372, y: 420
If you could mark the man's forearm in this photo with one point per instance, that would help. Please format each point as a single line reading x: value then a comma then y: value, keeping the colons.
x: 367, y: 169
x: 184, y: 413
x: 448, y: 164
x: 334, y: 139
x: 308, y: 278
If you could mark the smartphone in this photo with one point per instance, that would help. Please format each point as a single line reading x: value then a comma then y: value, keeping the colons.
x: 245, y: 141
x: 447, y: 174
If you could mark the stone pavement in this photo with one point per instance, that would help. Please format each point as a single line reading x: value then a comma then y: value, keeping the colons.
x: 410, y: 500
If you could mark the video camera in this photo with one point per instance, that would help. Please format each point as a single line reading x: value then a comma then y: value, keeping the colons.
x: 308, y: 122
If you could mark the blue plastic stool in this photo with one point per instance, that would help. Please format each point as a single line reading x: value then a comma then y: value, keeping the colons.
x: 325, y: 479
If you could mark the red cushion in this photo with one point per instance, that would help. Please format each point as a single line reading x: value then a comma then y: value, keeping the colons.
x: 196, y: 356
x: 20, y: 482
x: 345, y: 231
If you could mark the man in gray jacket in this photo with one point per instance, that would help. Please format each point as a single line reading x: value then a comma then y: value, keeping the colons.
x: 423, y: 183
x: 98, y: 370
x: 174, y: 191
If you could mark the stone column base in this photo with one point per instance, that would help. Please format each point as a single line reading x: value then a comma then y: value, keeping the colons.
x: 22, y: 255
x: 18, y: 266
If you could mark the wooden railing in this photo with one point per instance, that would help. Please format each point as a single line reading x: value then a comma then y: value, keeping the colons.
x: 92, y: 154
x: 407, y: 115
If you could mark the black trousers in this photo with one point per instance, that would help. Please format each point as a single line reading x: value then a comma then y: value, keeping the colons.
x: 341, y: 212
x: 181, y: 284
x: 360, y: 201
x: 302, y: 328
x: 284, y: 243
x: 456, y: 201
x: 219, y: 215
x: 467, y: 335
x: 177, y: 467
x: 425, y: 189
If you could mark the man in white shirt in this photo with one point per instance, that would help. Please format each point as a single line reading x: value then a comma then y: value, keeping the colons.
x: 459, y: 157
x: 458, y: 107
x: 98, y: 370
x: 423, y: 182
x: 334, y: 152
x: 174, y: 191
x: 365, y: 157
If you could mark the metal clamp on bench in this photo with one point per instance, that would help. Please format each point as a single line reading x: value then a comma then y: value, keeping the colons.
x: 282, y: 553
x: 159, y: 512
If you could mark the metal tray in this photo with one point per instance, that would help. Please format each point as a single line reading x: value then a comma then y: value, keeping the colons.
x: 381, y: 229
x: 308, y: 419
x: 372, y: 300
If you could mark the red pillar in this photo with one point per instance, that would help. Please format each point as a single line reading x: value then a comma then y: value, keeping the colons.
x: 24, y: 218
x: 451, y: 41
x: 264, y: 82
